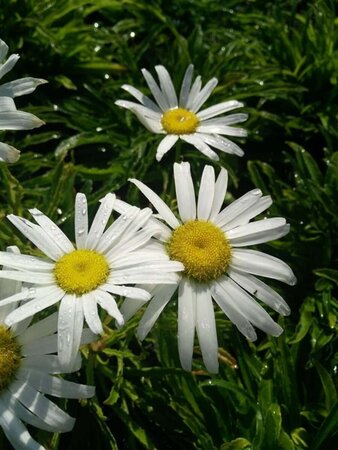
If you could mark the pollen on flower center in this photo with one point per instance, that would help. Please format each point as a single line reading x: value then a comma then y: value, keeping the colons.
x: 10, y: 357
x: 203, y: 249
x: 81, y: 271
x: 179, y: 121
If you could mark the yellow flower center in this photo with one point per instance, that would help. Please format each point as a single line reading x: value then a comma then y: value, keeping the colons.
x: 10, y: 357
x: 81, y: 271
x: 179, y: 121
x: 202, y: 248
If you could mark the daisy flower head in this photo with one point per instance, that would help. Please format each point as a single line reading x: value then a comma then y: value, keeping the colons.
x: 180, y: 117
x: 211, y: 244
x: 10, y: 117
x: 28, y: 369
x: 87, y: 275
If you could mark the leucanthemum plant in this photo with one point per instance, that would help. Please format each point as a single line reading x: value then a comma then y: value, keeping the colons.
x: 10, y: 117
x: 210, y: 243
x: 180, y: 117
x: 87, y: 275
x: 29, y: 369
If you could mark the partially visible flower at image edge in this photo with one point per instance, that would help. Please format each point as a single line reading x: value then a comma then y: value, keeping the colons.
x: 10, y: 117
x: 180, y: 117
x: 88, y: 275
x: 209, y: 242
x: 28, y: 365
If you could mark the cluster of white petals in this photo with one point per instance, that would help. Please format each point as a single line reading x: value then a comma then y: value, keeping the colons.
x: 10, y: 117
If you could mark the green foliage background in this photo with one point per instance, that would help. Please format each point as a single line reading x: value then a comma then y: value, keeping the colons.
x: 281, y: 59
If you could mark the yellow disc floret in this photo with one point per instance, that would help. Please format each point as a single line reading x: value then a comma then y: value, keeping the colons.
x: 81, y: 271
x: 10, y: 357
x: 202, y: 248
x: 179, y: 121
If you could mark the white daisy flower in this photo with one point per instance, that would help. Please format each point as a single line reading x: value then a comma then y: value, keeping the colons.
x: 180, y: 117
x: 28, y: 366
x: 10, y: 117
x: 88, y: 275
x: 211, y: 242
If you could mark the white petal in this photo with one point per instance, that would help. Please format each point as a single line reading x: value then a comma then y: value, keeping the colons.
x: 158, y: 204
x: 107, y: 302
x: 7, y: 104
x: 185, y: 193
x: 36, y: 235
x: 226, y: 120
x: 41, y: 406
x: 218, y: 109
x: 161, y: 272
x: 222, y: 129
x: 87, y: 337
x: 186, y: 322
x: 162, y: 295
x: 100, y: 221
x: 206, y: 193
x: 12, y: 300
x: 141, y: 97
x: 43, y: 346
x: 22, y: 86
x: 206, y: 328
x: 49, y: 364
x: 247, y: 214
x: 52, y: 230
x: 81, y: 220
x: 261, y: 290
x: 221, y: 143
x: 49, y: 384
x: 15, y: 431
x: 142, y: 112
x: 219, y: 194
x: 9, y: 64
x: 203, y: 96
x: 194, y: 91
x: 19, y: 120
x: 44, y: 327
x: 3, y: 50
x: 114, y: 232
x: 185, y: 88
x: 167, y: 86
x: 126, y: 291
x: 250, y: 308
x: 231, y: 310
x: 43, y: 299
x: 134, y: 259
x: 197, y: 141
x: 70, y: 325
x: 150, y: 119
x: 130, y: 306
x: 28, y: 277
x: 258, y: 263
x: 165, y: 145
x: 91, y: 314
x: 155, y: 90
x: 8, y: 288
x: 237, y: 207
x: 8, y: 154
x: 22, y: 262
x: 258, y: 232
